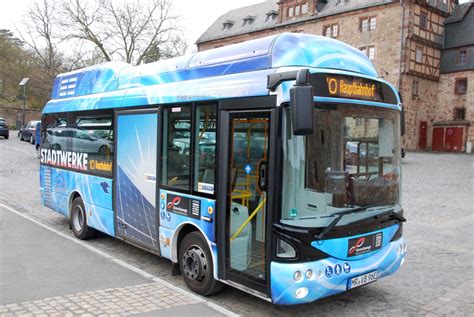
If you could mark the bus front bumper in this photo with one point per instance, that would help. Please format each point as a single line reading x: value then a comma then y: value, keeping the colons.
x: 330, y: 276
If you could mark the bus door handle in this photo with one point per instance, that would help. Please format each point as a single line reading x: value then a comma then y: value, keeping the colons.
x: 263, y: 176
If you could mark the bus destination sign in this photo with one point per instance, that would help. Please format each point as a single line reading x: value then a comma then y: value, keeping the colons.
x: 351, y: 87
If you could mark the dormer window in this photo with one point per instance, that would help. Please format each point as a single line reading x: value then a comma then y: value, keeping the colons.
x: 227, y: 25
x: 271, y: 15
x: 248, y: 20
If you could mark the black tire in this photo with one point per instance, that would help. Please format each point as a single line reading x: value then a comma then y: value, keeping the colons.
x: 79, y: 220
x: 32, y: 139
x: 21, y: 137
x: 6, y: 137
x: 195, y: 264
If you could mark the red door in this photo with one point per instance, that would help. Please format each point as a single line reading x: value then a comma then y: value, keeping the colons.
x: 422, y: 134
x: 453, y: 139
x: 438, y: 139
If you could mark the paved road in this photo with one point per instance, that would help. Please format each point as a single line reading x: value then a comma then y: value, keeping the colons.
x: 43, y: 272
x: 437, y: 278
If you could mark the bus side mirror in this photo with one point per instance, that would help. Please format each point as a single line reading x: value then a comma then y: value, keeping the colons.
x: 301, y: 102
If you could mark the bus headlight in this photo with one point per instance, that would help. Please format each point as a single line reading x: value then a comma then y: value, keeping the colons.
x: 301, y: 292
x: 309, y: 274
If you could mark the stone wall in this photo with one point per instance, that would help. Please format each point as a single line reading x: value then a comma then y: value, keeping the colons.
x: 448, y: 101
x: 13, y: 115
x: 420, y: 107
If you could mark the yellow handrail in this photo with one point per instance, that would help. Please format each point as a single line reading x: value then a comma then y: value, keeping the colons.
x: 246, y: 222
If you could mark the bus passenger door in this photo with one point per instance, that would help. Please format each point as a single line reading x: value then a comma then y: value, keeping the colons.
x: 136, y: 216
x: 245, y: 195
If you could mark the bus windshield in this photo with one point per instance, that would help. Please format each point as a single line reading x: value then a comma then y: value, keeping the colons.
x: 351, y: 160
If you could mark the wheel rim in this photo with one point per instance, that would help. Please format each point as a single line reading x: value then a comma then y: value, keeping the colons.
x: 78, y: 219
x: 195, y: 263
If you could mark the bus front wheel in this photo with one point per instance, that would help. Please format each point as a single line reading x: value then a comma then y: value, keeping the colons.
x: 79, y: 221
x: 195, y: 263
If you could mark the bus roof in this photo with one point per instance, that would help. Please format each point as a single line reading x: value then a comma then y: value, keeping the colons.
x: 114, y: 81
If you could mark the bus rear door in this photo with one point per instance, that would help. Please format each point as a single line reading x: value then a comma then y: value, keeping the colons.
x: 136, y: 215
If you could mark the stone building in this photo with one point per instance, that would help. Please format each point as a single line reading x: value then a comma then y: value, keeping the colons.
x: 404, y: 38
x: 453, y: 122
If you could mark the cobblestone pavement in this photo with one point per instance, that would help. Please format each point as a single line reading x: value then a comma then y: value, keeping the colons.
x: 121, y: 301
x: 436, y: 280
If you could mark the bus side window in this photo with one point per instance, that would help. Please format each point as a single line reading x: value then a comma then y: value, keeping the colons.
x: 51, y: 127
x: 205, y: 148
x: 91, y: 132
x: 176, y: 147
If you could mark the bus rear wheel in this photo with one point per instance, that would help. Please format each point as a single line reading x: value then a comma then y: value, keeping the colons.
x: 79, y: 221
x: 195, y: 263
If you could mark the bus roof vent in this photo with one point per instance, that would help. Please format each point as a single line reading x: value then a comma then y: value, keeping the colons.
x: 89, y: 80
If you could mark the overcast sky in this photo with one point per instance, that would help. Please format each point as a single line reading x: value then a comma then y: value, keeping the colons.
x: 197, y: 16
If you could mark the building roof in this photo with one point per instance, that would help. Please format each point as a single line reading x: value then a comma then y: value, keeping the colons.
x: 261, y: 11
x: 459, y: 27
x: 459, y: 13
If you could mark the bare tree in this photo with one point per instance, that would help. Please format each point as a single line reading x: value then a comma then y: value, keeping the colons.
x: 38, y: 35
x: 127, y: 30
x: 84, y: 21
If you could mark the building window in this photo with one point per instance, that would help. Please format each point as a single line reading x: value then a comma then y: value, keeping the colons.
x: 424, y: 20
x: 460, y: 86
x: 462, y: 57
x: 414, y: 88
x: 367, y: 24
x: 227, y: 25
x: 335, y: 30
x: 327, y: 31
x: 331, y: 30
x: 248, y: 20
x: 460, y: 114
x: 304, y: 8
x: 297, y: 10
x: 364, y: 25
x: 372, y: 23
x: 271, y: 15
x: 291, y: 11
x: 419, y: 54
x: 371, y: 52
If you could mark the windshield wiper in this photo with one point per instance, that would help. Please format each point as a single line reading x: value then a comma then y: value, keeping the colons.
x: 341, y: 214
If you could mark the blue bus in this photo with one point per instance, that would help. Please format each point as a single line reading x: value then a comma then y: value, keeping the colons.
x: 272, y: 165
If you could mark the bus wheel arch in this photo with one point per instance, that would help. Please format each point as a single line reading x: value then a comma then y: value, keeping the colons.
x: 192, y: 251
x: 73, y: 196
x: 78, y: 218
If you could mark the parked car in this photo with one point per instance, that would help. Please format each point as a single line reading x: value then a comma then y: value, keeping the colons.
x: 28, y: 132
x: 4, y: 128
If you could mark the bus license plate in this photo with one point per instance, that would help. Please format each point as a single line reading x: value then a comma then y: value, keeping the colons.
x: 362, y: 280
